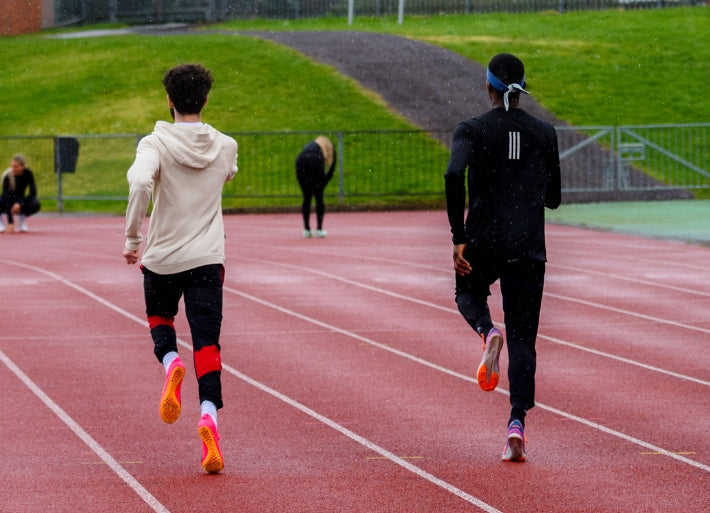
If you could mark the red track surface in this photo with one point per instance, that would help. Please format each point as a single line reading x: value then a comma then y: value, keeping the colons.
x: 348, y: 377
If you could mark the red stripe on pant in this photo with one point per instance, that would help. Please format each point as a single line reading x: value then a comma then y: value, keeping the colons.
x: 207, y: 360
x: 156, y: 320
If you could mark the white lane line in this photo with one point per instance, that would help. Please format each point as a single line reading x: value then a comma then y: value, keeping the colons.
x: 613, y: 276
x: 658, y: 320
x: 398, y: 352
x: 144, y: 494
x: 592, y: 304
x: 665, y: 264
x: 264, y: 388
x: 456, y: 312
x: 447, y: 271
x: 365, y: 442
x: 684, y: 377
x: 463, y: 377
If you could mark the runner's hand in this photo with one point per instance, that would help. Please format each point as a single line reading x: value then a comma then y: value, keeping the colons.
x: 130, y: 256
x: 461, y: 265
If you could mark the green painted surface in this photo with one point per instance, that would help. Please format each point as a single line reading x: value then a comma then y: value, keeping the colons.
x: 683, y: 220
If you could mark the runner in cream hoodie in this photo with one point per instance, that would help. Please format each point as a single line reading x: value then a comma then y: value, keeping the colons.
x: 183, y: 167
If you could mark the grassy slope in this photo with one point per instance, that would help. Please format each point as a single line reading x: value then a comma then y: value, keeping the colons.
x: 112, y: 85
x: 589, y: 68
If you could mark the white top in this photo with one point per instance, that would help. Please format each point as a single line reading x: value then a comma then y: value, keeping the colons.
x: 183, y: 167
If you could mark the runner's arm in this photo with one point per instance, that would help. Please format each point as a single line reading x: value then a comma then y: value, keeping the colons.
x: 141, y: 176
x: 455, y: 182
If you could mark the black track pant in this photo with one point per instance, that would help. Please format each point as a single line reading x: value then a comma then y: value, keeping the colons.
x: 311, y: 179
x: 202, y: 291
x: 28, y: 206
x: 308, y: 195
x: 521, y: 283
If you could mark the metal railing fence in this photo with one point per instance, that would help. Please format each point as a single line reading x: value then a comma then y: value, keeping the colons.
x: 384, y: 167
x: 163, y: 11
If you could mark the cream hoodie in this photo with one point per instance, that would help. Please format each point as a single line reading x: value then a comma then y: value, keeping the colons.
x: 183, y: 167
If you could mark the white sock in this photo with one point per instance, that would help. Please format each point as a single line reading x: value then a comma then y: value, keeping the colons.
x: 211, y: 408
x: 168, y: 359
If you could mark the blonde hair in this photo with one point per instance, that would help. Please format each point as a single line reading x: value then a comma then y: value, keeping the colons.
x: 20, y: 159
x: 327, y: 148
x: 10, y: 178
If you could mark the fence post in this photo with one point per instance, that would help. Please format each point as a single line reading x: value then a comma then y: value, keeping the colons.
x: 619, y: 161
x: 113, y: 11
x: 211, y: 14
x: 341, y: 170
x: 58, y: 172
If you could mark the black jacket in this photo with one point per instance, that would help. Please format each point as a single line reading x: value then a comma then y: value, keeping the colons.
x: 310, y: 167
x: 23, y: 182
x: 513, y: 173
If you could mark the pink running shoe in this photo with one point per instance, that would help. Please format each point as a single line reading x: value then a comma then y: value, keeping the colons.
x: 212, y: 460
x: 488, y: 372
x: 170, y: 398
x: 515, y: 443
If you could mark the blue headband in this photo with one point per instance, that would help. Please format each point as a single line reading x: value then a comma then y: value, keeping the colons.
x: 505, y: 89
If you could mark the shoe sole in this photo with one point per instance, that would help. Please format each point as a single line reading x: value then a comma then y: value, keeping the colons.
x: 515, y: 450
x: 488, y: 373
x: 213, y: 461
x: 169, y: 403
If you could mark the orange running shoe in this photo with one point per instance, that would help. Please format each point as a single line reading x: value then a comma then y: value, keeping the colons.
x: 488, y: 372
x: 212, y: 460
x: 170, y: 398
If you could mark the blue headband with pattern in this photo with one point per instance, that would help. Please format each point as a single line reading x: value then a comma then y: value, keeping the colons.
x: 505, y: 89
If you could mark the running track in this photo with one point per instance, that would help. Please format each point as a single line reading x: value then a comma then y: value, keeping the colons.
x: 348, y: 377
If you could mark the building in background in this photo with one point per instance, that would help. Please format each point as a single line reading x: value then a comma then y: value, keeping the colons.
x: 25, y: 16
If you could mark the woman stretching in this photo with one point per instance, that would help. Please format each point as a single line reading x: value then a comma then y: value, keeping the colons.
x: 312, y: 178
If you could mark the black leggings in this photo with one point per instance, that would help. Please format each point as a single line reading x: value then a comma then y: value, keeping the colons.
x: 521, y: 284
x: 308, y: 195
x: 311, y: 179
x: 28, y: 206
x: 202, y: 291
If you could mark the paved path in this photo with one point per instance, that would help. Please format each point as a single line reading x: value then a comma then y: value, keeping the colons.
x: 433, y: 87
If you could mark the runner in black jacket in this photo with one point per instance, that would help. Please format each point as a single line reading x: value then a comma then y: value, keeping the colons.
x: 513, y: 173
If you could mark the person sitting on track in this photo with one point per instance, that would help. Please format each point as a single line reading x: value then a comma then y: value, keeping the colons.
x: 513, y: 174
x: 312, y: 178
x: 15, y: 201
x: 184, y: 166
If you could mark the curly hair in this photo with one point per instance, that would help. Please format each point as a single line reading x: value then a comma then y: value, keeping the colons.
x: 187, y: 86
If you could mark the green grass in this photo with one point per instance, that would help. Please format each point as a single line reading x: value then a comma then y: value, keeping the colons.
x: 113, y: 85
x: 588, y: 68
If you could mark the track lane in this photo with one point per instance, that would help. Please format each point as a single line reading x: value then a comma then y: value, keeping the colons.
x: 426, y: 429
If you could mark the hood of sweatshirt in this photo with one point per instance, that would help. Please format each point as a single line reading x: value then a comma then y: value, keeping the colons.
x: 193, y: 146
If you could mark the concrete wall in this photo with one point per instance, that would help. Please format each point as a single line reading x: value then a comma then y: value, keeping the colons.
x: 47, y: 13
